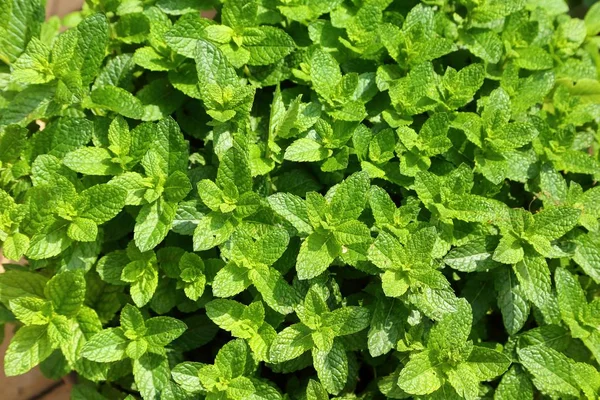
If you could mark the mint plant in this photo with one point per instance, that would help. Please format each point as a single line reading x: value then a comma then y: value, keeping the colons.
x: 303, y: 199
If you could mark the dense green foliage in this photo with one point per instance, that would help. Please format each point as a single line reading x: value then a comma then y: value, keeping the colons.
x: 302, y: 198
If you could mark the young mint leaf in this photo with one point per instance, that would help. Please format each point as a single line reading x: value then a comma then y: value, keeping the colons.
x: 66, y: 292
x: 29, y: 347
x: 153, y: 223
x: 420, y: 375
x: 106, y: 346
x: 152, y: 374
x: 515, y: 384
x: 332, y: 367
x: 512, y: 302
x: 551, y: 371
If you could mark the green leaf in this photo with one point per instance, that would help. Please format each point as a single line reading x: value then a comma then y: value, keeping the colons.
x: 170, y: 146
x: 386, y: 326
x: 484, y: 44
x: 420, y: 375
x: 91, y: 46
x: 108, y: 345
x: 347, y: 320
x: 305, y: 150
x: 571, y: 297
x: 317, y: 252
x: 487, y: 363
x: 551, y: 371
x: 555, y: 222
x: 349, y: 198
x: 230, y: 280
x: 15, y: 246
x: 511, y: 300
x: 234, y: 170
x: 592, y: 20
x: 100, y: 203
x: 177, y: 186
x: 235, y: 360
x: 186, y: 375
x: 145, y: 284
x: 15, y: 284
x: 316, y: 391
x: 66, y: 291
x: 534, y: 279
x: 212, y: 230
x: 132, y: 321
x: 33, y: 65
x: 213, y: 67
x: 473, y: 256
x: 29, y: 347
x: 119, y: 100
x: 269, y: 46
x: 83, y: 230
x: 293, y: 209
x: 153, y: 224
x: 275, y: 291
x: 515, y: 384
x: 152, y: 374
x: 587, y: 254
x: 452, y: 331
x: 29, y: 310
x: 332, y: 367
x: 92, y: 161
x: 291, y: 343
x: 229, y: 315
x: 325, y: 73
x: 160, y: 331
x: 21, y: 21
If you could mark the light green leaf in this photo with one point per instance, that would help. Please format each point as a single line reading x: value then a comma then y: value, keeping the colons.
x: 160, y: 331
x: 271, y: 45
x: 100, y: 203
x: 66, y: 291
x: 293, y: 209
x: 291, y: 343
x: 153, y: 224
x: 151, y: 373
x: 420, y: 375
x: 230, y: 280
x: 552, y: 371
x: 487, y: 363
x: 347, y: 320
x: 534, y: 279
x: 29, y: 347
x: 332, y: 367
x: 325, y: 73
x: 317, y: 252
x: 350, y: 196
x: 92, y: 161
x: 106, y: 346
x: 305, y: 150
x: 515, y: 385
x: 118, y: 100
x: 511, y: 300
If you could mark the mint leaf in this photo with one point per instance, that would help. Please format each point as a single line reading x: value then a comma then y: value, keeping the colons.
x: 29, y: 347
x: 550, y: 370
x: 332, y: 367
x: 420, y: 375
x: 66, y: 292
x: 106, y: 346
